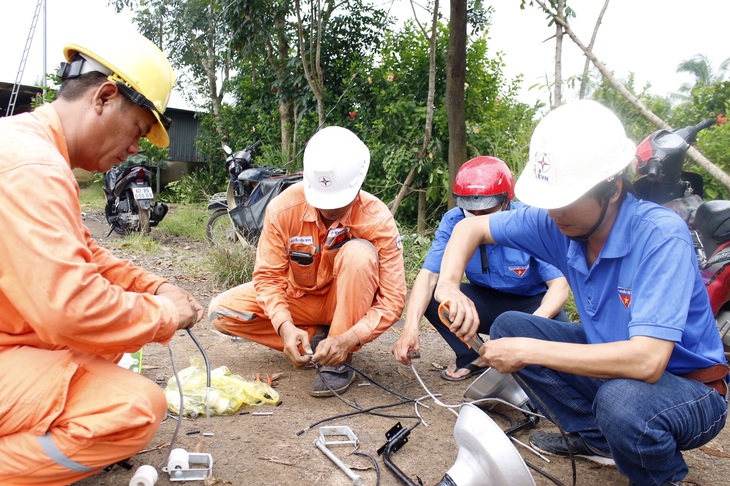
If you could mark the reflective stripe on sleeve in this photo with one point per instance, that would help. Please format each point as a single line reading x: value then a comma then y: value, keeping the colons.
x: 50, y: 448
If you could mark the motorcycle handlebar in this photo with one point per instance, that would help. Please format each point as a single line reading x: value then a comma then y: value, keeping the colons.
x: 706, y: 123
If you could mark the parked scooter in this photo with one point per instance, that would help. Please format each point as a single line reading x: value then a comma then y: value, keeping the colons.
x: 238, y: 213
x: 130, y: 205
x: 659, y: 164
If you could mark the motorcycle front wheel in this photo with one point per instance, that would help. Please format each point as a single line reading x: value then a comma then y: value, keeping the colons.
x: 219, y: 229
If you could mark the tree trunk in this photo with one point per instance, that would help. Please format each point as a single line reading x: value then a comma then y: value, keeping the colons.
x: 693, y: 153
x: 421, y: 223
x: 310, y: 63
x: 405, y: 190
x: 285, y: 106
x: 455, y: 81
x: 586, y: 66
x: 558, y: 86
x: 428, y: 131
x: 207, y: 59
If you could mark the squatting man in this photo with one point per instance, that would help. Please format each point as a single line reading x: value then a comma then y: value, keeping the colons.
x: 643, y: 376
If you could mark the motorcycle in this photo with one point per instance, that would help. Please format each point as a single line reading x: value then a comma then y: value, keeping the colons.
x: 130, y: 205
x: 662, y: 179
x: 238, y: 213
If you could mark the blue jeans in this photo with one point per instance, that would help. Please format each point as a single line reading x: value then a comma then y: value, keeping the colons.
x: 643, y: 425
x: 489, y: 303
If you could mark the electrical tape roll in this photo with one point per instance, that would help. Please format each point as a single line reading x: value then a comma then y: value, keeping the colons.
x: 178, y: 460
x: 144, y: 476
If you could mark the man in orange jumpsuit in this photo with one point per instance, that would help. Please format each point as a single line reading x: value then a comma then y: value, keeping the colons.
x: 69, y: 309
x: 329, y: 263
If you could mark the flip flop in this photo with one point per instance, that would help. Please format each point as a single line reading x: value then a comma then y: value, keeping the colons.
x: 473, y: 370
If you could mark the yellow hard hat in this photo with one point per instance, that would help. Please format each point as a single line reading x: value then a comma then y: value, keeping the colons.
x: 139, y: 68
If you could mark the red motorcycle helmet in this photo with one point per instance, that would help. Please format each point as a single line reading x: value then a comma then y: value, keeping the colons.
x: 483, y: 183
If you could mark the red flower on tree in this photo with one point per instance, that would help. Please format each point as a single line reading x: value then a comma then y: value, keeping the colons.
x: 352, y: 114
x: 721, y: 119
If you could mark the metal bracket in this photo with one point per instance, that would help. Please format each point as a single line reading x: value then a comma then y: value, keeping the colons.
x: 327, y: 435
x: 193, y: 474
x: 397, y: 437
x: 338, y: 435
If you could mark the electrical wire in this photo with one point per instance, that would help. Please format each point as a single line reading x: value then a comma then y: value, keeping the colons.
x: 182, y: 396
x: 360, y: 410
x: 504, y: 402
x: 450, y: 408
x: 551, y: 417
x: 375, y: 463
x: 179, y: 417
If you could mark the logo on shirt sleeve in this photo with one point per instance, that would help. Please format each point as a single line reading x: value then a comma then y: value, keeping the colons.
x: 520, y: 271
x: 625, y: 295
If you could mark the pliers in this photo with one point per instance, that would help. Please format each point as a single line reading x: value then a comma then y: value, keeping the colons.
x: 444, y: 309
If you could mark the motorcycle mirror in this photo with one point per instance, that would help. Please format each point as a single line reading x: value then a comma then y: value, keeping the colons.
x: 228, y: 150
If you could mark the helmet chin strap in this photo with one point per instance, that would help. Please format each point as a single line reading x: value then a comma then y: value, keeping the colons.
x: 604, y: 207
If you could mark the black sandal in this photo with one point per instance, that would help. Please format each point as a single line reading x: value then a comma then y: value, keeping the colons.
x: 473, y: 370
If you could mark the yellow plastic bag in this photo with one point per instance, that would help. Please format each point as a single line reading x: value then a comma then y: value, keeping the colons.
x: 228, y: 392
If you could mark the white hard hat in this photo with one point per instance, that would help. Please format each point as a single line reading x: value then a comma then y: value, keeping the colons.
x: 336, y: 162
x: 573, y: 149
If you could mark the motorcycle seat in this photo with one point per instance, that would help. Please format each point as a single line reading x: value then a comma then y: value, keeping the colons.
x: 712, y: 221
x: 257, y: 174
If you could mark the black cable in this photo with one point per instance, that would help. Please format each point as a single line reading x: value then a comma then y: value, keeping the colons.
x: 378, y: 384
x: 357, y: 407
x: 180, y: 390
x: 375, y: 463
x: 366, y: 410
x: 554, y: 420
x: 544, y: 473
x: 202, y: 351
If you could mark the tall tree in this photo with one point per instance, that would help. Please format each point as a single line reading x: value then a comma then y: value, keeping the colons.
x: 586, y: 66
x: 310, y: 47
x: 702, y: 70
x: 196, y: 40
x: 455, y: 85
x: 695, y: 155
x: 558, y: 84
x: 260, y: 30
x: 428, y: 129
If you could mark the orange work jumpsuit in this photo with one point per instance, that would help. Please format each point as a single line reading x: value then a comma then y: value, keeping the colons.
x: 359, y: 285
x: 68, y: 310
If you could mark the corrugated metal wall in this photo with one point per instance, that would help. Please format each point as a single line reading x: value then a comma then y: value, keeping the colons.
x: 183, y: 132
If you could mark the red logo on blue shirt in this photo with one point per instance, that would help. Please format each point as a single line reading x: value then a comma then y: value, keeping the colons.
x: 520, y: 271
x: 625, y: 295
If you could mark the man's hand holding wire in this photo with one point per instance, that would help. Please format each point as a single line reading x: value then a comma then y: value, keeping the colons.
x: 190, y: 312
x: 294, y: 338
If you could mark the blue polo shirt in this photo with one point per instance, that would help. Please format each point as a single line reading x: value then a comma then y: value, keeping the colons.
x: 645, y: 282
x: 512, y: 271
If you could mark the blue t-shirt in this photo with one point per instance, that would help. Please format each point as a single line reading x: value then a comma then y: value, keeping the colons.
x: 510, y: 270
x: 645, y: 281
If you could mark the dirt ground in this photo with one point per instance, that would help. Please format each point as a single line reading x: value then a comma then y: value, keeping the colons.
x: 270, y: 449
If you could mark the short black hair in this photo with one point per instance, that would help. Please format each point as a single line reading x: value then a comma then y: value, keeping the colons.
x: 73, y: 88
x: 607, y: 188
